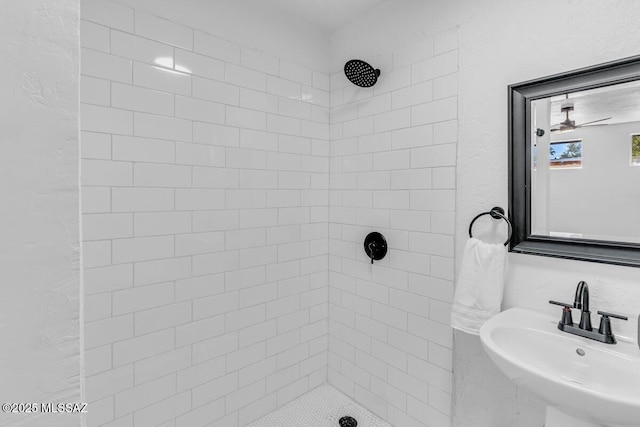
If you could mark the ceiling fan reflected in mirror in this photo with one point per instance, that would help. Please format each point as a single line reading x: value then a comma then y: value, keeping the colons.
x: 568, y: 125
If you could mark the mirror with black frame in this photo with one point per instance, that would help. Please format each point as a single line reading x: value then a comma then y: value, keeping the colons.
x: 574, y: 164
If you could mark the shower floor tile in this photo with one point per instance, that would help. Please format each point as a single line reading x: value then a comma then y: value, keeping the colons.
x: 321, y: 407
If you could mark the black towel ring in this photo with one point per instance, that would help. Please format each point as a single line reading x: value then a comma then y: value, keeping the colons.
x: 496, y: 213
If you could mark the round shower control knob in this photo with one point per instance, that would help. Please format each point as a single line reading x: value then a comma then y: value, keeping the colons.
x: 375, y: 246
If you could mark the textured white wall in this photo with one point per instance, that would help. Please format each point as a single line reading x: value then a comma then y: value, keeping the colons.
x: 39, y: 248
x: 205, y: 208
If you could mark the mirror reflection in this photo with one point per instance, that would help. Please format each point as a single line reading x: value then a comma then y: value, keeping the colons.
x: 585, y: 171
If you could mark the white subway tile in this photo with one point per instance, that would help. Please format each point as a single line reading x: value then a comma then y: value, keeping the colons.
x: 256, y: 256
x: 199, y: 154
x: 140, y: 49
x: 375, y: 105
x: 295, y: 72
x: 413, y: 53
x: 199, y: 110
x: 245, y: 317
x: 436, y: 111
x: 258, y: 179
x: 216, y: 91
x: 107, y: 120
x: 245, y: 77
x: 199, y: 199
x: 437, y: 66
x: 161, y: 318
x: 106, y: 173
x: 359, y: 127
x: 435, y: 155
x: 105, y: 279
x: 321, y: 81
x: 198, y: 65
x: 142, y: 249
x: 160, y: 175
x: 201, y: 286
x: 395, y: 199
x: 445, y: 41
x: 415, y: 136
x: 199, y: 330
x: 258, y: 140
x: 105, y: 66
x: 293, y: 108
x: 142, y: 199
x: 260, y: 101
x: 143, y: 395
x: 162, y: 270
x: 259, y: 61
x: 246, y: 159
x: 320, y: 98
x: 282, y: 124
x: 206, y: 133
x: 108, y: 13
x: 161, y: 127
x: 283, y: 87
x: 97, y: 307
x: 160, y: 78
x: 414, y: 94
x: 392, y: 120
x: 252, y: 218
x: 97, y: 360
x: 107, y: 331
x: 95, y: 91
x: 158, y: 223
x: 106, y: 226
x: 135, y: 149
x: 445, y: 132
x: 433, y: 200
x: 411, y: 179
x: 214, y: 263
x: 249, y: 238
x: 445, y: 87
x: 215, y: 220
x: 215, y: 305
x: 96, y: 254
x: 162, y: 411
x: 204, y: 415
x: 95, y: 145
x: 201, y: 373
x: 164, y: 31
x: 109, y: 383
x: 397, y: 159
x: 245, y: 118
x: 393, y: 80
x: 197, y: 243
x: 210, y: 177
x: 142, y: 298
x: 216, y: 47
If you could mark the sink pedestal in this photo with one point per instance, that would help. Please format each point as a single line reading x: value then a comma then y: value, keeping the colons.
x: 555, y: 418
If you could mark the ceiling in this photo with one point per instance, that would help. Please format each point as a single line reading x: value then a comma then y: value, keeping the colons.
x: 620, y: 102
x: 328, y: 15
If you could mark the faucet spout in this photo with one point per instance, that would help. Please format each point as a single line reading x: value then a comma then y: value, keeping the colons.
x: 581, y: 301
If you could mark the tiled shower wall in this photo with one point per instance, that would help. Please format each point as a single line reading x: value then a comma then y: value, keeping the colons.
x: 393, y: 170
x: 205, y: 210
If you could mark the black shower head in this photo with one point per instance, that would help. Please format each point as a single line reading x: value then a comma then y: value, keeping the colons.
x: 360, y: 73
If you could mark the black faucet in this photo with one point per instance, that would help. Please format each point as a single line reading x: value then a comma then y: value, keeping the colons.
x: 581, y: 301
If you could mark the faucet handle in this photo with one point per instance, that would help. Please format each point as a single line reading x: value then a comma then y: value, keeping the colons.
x: 567, y: 319
x: 616, y: 316
x: 563, y: 304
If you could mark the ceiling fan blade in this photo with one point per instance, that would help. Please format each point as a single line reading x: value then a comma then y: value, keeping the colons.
x: 592, y: 126
x: 593, y: 121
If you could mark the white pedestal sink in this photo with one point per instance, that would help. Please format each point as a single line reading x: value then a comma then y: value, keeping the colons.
x: 584, y: 382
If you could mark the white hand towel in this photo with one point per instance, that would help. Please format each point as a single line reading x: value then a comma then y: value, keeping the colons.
x: 480, y: 285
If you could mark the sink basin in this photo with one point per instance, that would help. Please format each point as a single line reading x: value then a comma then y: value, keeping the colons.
x: 592, y: 383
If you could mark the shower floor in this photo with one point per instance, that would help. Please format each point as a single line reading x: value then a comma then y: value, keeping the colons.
x: 321, y: 407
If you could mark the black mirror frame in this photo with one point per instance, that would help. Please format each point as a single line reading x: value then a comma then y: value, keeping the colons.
x: 520, y: 97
